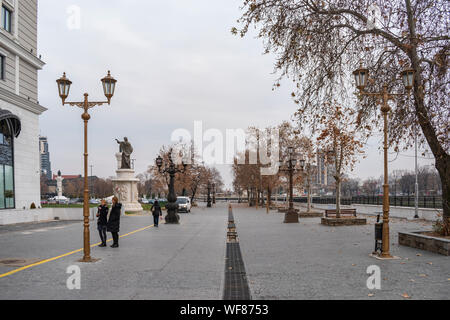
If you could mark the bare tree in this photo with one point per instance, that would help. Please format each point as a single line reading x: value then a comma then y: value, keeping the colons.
x: 319, y: 43
x: 341, y: 140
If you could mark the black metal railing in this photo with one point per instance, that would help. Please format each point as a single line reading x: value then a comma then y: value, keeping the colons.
x: 434, y: 202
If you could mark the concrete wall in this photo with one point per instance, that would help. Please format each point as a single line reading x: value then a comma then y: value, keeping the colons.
x: 395, y: 212
x: 27, y: 28
x: 26, y: 157
x: 46, y: 214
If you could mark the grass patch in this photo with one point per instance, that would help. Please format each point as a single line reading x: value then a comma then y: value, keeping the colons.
x: 71, y: 205
x: 148, y: 206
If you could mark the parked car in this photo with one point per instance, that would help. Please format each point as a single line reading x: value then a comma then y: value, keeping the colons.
x: 184, y: 204
x: 94, y: 201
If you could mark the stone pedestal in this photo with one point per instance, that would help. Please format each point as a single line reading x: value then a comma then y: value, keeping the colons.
x: 311, y: 214
x: 291, y: 216
x: 343, y: 221
x: 59, y: 186
x: 125, y: 188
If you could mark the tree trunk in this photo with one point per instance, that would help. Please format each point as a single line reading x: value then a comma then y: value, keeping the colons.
x: 440, y: 155
x: 338, y: 198
x: 308, y: 206
x: 194, y: 191
x: 309, y: 199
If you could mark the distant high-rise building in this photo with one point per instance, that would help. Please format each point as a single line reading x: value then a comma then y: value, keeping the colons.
x: 324, y: 173
x: 44, y: 158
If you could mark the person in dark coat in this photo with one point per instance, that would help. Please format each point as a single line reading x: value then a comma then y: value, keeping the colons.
x: 157, y: 212
x: 102, y: 215
x: 114, y: 221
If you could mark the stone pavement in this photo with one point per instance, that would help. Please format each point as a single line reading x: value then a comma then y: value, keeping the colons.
x: 183, y: 261
x: 187, y: 261
x: 311, y: 261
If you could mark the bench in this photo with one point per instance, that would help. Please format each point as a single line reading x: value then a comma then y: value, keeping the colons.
x: 344, y: 212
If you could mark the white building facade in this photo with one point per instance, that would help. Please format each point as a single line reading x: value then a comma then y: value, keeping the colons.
x: 19, y: 106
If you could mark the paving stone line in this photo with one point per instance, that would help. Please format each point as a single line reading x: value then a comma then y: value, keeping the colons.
x: 236, y: 283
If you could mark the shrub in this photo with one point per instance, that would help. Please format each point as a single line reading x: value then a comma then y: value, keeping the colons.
x: 33, y: 206
x: 438, y: 225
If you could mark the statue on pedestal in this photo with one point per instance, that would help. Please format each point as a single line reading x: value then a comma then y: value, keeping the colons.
x: 126, y: 149
x: 125, y: 183
x: 59, y: 186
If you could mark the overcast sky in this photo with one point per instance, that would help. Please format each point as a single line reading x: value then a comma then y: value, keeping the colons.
x: 176, y: 62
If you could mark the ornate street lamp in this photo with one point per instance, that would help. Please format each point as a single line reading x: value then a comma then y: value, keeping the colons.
x: 64, y: 84
x: 291, y: 215
x: 208, y: 201
x: 361, y: 77
x: 170, y: 168
x: 109, y: 86
x: 408, y: 78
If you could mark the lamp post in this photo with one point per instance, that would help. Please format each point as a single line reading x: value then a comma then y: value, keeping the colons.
x: 416, y: 185
x: 361, y: 77
x: 172, y: 216
x: 291, y: 215
x: 109, y: 85
x: 208, y: 201
x: 214, y: 193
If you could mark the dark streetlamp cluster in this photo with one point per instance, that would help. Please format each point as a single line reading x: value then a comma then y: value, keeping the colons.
x: 109, y: 86
x: 208, y: 199
x: 361, y: 78
x: 170, y: 168
x: 291, y: 215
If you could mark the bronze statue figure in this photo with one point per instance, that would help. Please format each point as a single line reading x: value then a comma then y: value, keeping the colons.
x: 126, y: 149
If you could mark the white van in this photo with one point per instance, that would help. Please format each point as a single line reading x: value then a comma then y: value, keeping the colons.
x: 184, y: 204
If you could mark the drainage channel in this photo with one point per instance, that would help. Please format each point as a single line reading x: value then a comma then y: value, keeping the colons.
x: 236, y: 283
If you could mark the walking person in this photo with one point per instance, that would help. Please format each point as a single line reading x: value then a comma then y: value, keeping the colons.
x: 114, y: 221
x: 102, y: 221
x: 157, y: 212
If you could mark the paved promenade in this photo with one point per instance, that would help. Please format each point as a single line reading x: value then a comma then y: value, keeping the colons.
x: 187, y: 261
x: 183, y: 261
x: 311, y: 261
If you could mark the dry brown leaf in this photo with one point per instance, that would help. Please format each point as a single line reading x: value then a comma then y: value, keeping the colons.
x: 405, y: 295
x: 370, y: 294
x: 418, y: 254
x: 423, y: 275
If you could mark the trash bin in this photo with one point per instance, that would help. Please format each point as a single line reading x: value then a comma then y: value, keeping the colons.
x: 378, y: 234
x: 379, y: 231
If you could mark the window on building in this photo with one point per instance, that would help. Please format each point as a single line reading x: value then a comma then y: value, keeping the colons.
x: 7, y: 195
x: 2, y: 67
x: 6, y: 18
